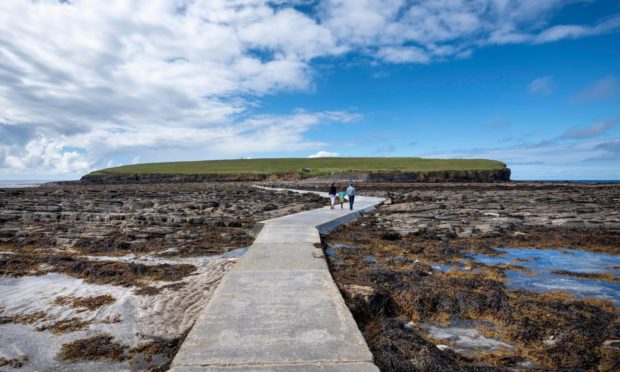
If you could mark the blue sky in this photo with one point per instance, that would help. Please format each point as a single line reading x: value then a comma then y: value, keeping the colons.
x: 86, y: 85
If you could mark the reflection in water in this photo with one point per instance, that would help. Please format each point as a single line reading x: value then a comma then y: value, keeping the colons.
x: 332, y: 248
x: 465, y: 337
x: 235, y: 253
x: 541, y: 262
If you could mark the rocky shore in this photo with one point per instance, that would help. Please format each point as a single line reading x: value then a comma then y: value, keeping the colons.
x: 113, y: 276
x: 419, y: 277
x: 167, y: 219
x: 444, y: 276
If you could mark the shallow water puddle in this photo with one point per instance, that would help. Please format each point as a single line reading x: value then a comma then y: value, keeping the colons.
x: 153, y: 260
x: 465, y: 338
x: 235, y: 253
x: 131, y: 319
x: 333, y: 248
x: 446, y: 267
x: 31, y: 294
x: 541, y: 262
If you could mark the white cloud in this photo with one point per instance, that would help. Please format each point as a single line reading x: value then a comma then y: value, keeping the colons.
x: 82, y: 81
x: 112, y: 164
x: 560, y: 32
x: 549, y: 153
x: 404, y: 55
x: 594, y: 130
x: 324, y: 154
x: 41, y: 153
x: 542, y: 85
x: 123, y: 76
x: 575, y: 151
x: 604, y: 88
x: 611, y: 150
x: 400, y: 31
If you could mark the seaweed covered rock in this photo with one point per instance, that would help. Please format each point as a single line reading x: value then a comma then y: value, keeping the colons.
x: 367, y: 303
x: 399, y: 348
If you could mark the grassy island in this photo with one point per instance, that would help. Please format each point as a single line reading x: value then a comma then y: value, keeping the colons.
x: 305, y: 166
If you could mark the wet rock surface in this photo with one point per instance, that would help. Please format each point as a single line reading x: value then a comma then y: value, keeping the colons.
x: 489, y: 209
x: 407, y: 268
x: 112, y: 277
x: 188, y: 218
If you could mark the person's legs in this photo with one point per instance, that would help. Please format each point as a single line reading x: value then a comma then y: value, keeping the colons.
x: 351, y: 199
x: 341, y: 203
x: 332, y: 199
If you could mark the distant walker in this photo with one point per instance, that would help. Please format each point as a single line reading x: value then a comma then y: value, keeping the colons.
x: 351, y: 193
x: 332, y: 194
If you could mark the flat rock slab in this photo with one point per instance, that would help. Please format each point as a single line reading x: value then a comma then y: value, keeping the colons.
x: 279, y: 308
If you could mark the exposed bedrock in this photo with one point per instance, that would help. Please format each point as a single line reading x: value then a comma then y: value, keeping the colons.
x: 408, y: 274
x: 174, y: 219
x: 434, y: 176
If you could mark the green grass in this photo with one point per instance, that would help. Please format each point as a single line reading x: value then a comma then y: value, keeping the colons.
x: 317, y: 166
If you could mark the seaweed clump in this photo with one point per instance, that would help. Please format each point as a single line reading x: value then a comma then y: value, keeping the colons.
x: 98, y: 272
x: 594, y: 276
x: 90, y: 303
x: 161, y: 348
x: 97, y: 347
x: 14, y: 363
x: 64, y: 326
x: 29, y: 318
x: 154, y: 355
x: 400, y: 289
x: 398, y: 348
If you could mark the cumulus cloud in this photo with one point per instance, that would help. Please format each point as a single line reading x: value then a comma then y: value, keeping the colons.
x: 560, y: 32
x: 594, y: 130
x: 611, y: 150
x: 402, y: 31
x: 404, y: 55
x: 542, y: 85
x: 324, y: 154
x: 83, y: 80
x: 602, y: 89
x: 550, y: 153
x: 141, y: 75
x: 42, y: 153
x: 576, y: 150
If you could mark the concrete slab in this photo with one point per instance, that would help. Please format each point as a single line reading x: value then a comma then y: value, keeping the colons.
x: 327, y: 367
x: 278, y: 309
x: 273, y: 318
x: 275, y: 235
x: 282, y: 256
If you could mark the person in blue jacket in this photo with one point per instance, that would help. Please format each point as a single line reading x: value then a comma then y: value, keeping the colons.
x: 351, y: 194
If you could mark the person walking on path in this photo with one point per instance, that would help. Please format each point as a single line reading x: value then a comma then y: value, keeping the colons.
x: 351, y: 193
x: 342, y: 198
x: 332, y: 194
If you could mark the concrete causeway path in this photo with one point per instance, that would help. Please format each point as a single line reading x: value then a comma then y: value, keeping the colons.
x: 279, y: 309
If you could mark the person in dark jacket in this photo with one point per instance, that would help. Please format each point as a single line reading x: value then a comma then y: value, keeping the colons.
x: 332, y: 194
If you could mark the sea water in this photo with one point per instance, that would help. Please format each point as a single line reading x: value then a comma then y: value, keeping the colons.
x: 541, y: 262
x: 11, y: 184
